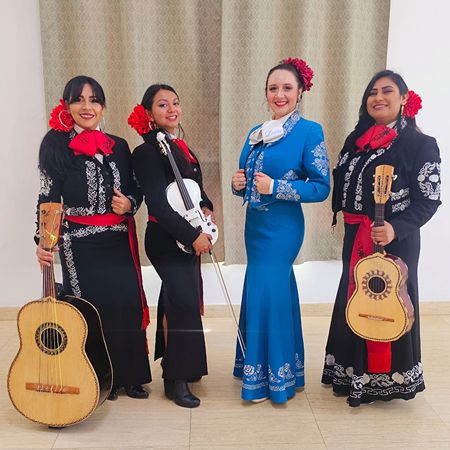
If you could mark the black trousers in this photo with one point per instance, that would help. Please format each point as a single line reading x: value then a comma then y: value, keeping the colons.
x: 184, y: 355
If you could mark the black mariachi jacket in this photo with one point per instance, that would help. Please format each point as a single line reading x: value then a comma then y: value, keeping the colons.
x: 154, y: 173
x: 82, y: 183
x: 415, y: 192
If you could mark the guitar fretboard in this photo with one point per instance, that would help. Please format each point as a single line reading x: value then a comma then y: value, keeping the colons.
x: 379, y: 222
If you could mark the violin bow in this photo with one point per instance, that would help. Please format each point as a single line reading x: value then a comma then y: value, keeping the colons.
x: 228, y: 300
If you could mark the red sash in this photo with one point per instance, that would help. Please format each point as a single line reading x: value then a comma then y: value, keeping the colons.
x: 379, y: 356
x: 114, y: 219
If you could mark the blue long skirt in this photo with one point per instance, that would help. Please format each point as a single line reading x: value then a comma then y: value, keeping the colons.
x: 270, y: 313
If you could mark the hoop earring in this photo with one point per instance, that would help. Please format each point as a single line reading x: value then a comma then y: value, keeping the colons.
x: 61, y: 121
x: 102, y: 124
x: 151, y: 124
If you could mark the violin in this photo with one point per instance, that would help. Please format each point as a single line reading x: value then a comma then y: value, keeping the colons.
x: 184, y: 196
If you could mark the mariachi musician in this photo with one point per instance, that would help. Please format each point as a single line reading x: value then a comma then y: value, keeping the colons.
x: 91, y: 172
x: 179, y: 337
x: 386, y: 133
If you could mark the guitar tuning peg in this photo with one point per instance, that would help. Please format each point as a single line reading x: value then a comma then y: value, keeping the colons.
x: 394, y: 177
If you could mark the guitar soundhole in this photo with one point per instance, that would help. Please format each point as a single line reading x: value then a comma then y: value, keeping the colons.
x: 376, y: 285
x: 51, y: 338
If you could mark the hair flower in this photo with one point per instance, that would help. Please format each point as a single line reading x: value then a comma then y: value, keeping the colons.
x: 412, y: 105
x: 305, y: 72
x: 140, y: 120
x: 60, y: 118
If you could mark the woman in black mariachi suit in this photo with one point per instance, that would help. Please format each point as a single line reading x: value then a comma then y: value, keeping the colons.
x: 91, y: 173
x: 179, y: 339
x: 385, y: 134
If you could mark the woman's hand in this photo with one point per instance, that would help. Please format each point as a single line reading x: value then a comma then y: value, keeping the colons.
x: 202, y: 244
x: 44, y: 257
x: 120, y: 204
x: 207, y: 212
x: 383, y: 235
x: 262, y: 183
x: 239, y: 180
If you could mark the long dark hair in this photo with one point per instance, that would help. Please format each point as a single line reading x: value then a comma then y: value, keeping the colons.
x: 365, y: 120
x: 54, y: 155
x: 149, y: 98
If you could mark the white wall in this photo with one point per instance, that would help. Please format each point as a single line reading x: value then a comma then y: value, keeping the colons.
x: 419, y: 49
x: 22, y: 126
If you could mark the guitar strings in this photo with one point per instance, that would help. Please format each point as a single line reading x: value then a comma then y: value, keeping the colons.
x: 57, y: 336
x: 44, y: 275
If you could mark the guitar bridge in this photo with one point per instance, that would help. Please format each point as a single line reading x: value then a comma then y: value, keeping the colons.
x: 379, y: 318
x: 52, y: 388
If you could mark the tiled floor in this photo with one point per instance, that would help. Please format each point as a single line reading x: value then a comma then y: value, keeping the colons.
x: 314, y: 419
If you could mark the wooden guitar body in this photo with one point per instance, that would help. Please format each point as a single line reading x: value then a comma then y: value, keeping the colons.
x: 380, y: 308
x: 62, y: 370
x: 52, y: 380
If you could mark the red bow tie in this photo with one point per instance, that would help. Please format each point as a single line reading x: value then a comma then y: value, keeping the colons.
x: 182, y: 145
x: 377, y: 136
x: 89, y: 142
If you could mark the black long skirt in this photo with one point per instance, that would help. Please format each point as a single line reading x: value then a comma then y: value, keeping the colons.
x: 184, y: 356
x: 346, y: 353
x: 97, y: 265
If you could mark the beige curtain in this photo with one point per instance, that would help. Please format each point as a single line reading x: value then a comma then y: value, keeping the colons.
x: 216, y: 53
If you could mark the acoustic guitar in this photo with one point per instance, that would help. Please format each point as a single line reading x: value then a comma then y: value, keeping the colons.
x: 62, y: 370
x: 380, y: 309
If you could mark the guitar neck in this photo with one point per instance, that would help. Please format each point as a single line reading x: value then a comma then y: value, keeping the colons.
x: 378, y: 222
x: 48, y: 282
x: 181, y: 186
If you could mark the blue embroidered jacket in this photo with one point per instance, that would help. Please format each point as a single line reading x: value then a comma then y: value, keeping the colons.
x: 298, y: 164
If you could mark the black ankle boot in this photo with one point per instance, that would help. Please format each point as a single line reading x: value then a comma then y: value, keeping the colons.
x: 114, y: 393
x: 178, y: 391
x: 136, y: 391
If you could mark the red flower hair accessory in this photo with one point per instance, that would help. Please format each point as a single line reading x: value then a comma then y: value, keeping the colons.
x: 140, y: 120
x: 303, y: 70
x: 412, y: 105
x: 60, y: 118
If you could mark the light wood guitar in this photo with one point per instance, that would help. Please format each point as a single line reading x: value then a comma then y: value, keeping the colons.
x: 380, y: 309
x: 62, y: 370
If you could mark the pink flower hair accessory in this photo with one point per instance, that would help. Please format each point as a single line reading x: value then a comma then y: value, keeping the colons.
x: 60, y: 118
x: 412, y: 105
x: 140, y: 120
x: 305, y: 72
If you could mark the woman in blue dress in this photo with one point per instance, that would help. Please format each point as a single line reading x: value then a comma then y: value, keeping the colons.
x: 283, y: 163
